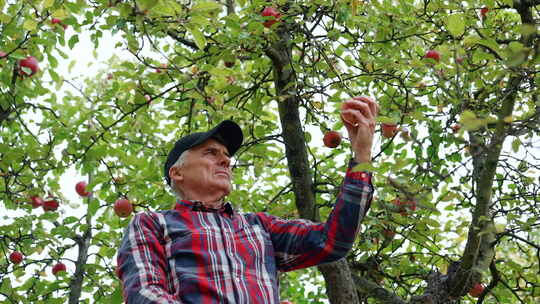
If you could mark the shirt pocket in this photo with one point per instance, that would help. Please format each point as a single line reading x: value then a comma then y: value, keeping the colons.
x: 257, y: 247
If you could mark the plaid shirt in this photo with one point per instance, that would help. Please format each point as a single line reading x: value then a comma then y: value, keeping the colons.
x: 195, y: 255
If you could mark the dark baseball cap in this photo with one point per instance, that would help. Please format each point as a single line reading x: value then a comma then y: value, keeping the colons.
x: 227, y: 132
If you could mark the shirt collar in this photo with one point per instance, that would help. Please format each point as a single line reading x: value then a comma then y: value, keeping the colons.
x: 198, y: 206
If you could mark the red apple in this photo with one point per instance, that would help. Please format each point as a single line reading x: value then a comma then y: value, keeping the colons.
x: 3, y: 54
x: 80, y: 187
x: 16, y: 257
x: 109, y: 76
x: 29, y: 63
x: 455, y: 128
x: 433, y: 55
x: 459, y: 60
x: 60, y: 267
x: 332, y: 139
x: 147, y: 97
x: 229, y: 64
x: 273, y: 15
x: 123, y: 207
x: 36, y: 201
x: 483, y: 12
x: 59, y: 22
x: 477, y: 290
x: 388, y: 130
x: 50, y: 205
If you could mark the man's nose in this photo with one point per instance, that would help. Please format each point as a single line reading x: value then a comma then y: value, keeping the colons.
x: 225, y: 160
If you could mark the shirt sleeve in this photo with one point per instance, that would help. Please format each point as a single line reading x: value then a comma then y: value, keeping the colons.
x: 301, y: 243
x: 142, y: 263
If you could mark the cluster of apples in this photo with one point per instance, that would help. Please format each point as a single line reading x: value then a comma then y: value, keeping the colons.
x: 332, y: 139
x: 16, y: 257
x: 122, y: 207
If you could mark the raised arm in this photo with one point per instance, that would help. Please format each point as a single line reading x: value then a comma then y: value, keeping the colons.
x: 142, y: 263
x: 301, y: 243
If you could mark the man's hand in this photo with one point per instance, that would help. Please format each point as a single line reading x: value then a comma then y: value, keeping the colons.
x: 358, y: 114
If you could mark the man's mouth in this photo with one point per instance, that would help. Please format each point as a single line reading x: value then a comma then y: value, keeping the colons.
x: 223, y: 173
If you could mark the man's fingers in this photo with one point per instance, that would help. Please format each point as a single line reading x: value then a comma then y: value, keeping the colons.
x: 361, y: 103
x: 359, y: 106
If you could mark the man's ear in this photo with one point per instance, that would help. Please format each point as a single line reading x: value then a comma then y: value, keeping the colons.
x: 176, y: 174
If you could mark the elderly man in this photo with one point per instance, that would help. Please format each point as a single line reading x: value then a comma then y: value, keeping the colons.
x: 203, y: 251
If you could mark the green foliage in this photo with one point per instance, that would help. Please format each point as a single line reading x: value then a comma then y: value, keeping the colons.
x: 115, y: 128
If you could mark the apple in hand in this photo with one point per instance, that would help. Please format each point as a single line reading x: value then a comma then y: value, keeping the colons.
x: 80, y: 188
x: 388, y: 130
x: 16, y: 257
x: 123, y: 207
x: 477, y: 290
x: 273, y: 16
x: 28, y: 66
x: 60, y: 267
x: 433, y: 54
x: 50, y: 205
x: 36, y: 201
x: 332, y: 139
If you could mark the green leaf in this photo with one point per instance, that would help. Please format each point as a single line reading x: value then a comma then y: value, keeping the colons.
x: 206, y: 6
x: 456, y: 24
x: 516, y: 143
x: 30, y: 25
x: 200, y: 40
x: 145, y: 5
x: 73, y: 40
x: 47, y: 3
x: 470, y: 122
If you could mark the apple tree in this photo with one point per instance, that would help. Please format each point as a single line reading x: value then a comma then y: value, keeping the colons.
x: 456, y: 167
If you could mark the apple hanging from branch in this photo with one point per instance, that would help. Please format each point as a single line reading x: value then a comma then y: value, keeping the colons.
x: 28, y: 66
x: 60, y: 267
x: 123, y: 207
x: 332, y: 139
x: 477, y: 290
x: 50, y: 205
x: 388, y: 130
x: 16, y: 257
x: 433, y: 54
x: 36, y: 201
x: 80, y: 188
x: 272, y: 15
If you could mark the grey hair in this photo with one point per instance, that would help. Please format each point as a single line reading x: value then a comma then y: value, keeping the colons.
x: 179, y: 162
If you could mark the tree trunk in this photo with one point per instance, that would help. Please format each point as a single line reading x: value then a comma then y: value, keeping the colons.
x: 337, y: 275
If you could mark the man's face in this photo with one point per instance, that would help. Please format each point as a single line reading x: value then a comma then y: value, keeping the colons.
x: 206, y: 169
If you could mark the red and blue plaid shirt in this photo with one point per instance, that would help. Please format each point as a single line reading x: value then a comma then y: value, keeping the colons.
x: 193, y: 255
